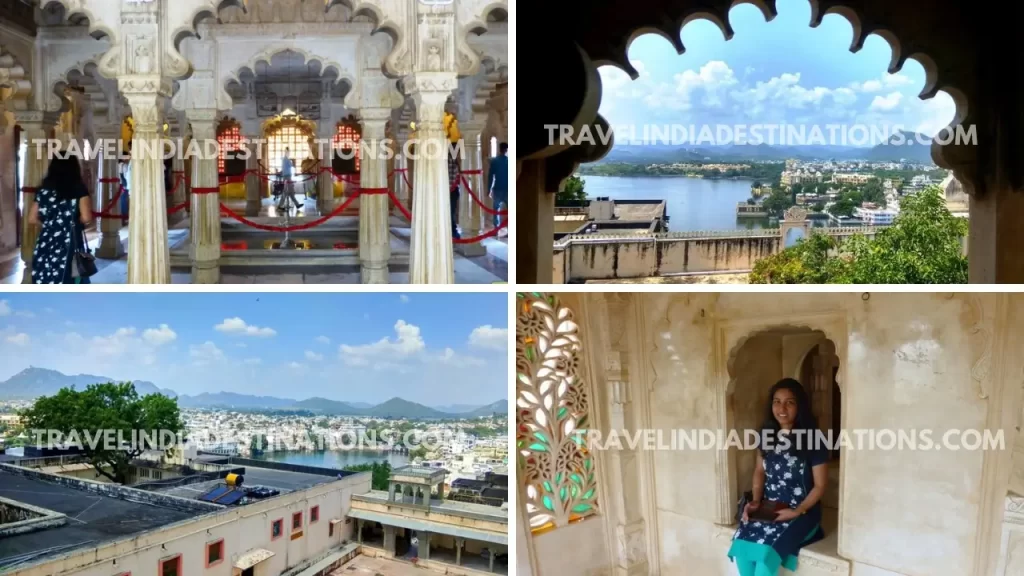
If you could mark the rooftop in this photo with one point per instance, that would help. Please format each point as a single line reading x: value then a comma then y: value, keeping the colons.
x: 425, y: 472
x: 464, y: 509
x: 95, y: 514
x: 283, y: 480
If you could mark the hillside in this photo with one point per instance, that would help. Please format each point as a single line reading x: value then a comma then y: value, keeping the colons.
x: 33, y: 382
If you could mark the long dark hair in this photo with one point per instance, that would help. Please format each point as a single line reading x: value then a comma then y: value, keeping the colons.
x: 64, y: 176
x: 805, y: 423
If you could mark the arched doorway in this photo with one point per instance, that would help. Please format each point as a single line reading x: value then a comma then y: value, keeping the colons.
x: 759, y: 361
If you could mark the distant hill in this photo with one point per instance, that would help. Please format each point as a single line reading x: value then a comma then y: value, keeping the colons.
x: 34, y: 382
x: 233, y: 400
x: 332, y: 407
x: 899, y: 147
x: 501, y: 407
x: 399, y: 408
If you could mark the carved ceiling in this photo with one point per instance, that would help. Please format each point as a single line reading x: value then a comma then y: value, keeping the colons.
x: 288, y: 75
x: 287, y: 11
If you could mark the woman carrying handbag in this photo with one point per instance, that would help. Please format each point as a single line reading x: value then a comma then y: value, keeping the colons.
x: 63, y: 209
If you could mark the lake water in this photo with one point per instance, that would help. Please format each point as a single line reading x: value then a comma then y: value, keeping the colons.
x: 693, y: 203
x: 335, y: 458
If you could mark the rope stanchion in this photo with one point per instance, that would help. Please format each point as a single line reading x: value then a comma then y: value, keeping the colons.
x: 401, y: 207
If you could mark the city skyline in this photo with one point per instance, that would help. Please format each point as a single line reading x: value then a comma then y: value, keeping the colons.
x: 778, y: 72
x: 432, y: 349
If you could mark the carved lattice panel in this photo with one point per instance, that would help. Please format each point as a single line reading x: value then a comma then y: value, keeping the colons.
x: 552, y: 408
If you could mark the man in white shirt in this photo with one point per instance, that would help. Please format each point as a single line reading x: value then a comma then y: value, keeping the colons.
x: 286, y: 173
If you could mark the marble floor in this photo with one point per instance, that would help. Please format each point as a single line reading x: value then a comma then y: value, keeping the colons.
x: 489, y: 268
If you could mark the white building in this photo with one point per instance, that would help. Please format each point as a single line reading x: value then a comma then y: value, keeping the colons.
x: 875, y: 216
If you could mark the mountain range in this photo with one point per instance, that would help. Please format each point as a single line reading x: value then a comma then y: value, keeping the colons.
x: 34, y: 382
x: 894, y: 150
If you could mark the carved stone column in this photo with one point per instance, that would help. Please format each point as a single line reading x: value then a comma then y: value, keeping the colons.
x: 148, y: 253
x: 470, y: 213
x: 253, y: 197
x: 110, y: 246
x: 535, y: 228
x: 431, y: 258
x: 325, y: 179
x: 205, y: 249
x: 401, y: 190
x: 34, y: 129
x: 374, y: 226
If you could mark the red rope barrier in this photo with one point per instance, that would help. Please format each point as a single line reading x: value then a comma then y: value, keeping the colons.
x: 401, y: 207
x: 305, y: 226
x: 488, y: 234
x: 29, y: 189
x: 483, y: 206
x: 206, y: 190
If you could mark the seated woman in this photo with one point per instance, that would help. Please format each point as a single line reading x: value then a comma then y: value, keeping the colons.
x: 791, y: 473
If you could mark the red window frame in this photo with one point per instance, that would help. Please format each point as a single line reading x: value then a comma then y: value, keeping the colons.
x: 162, y: 563
x: 314, y: 514
x: 279, y: 523
x: 296, y: 521
x: 229, y: 140
x: 209, y: 545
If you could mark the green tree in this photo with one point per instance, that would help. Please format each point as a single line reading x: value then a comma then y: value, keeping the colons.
x: 381, y: 473
x: 418, y: 452
x: 873, y: 192
x: 842, y: 207
x: 142, y: 422
x: 777, y: 202
x: 923, y: 246
x: 572, y: 192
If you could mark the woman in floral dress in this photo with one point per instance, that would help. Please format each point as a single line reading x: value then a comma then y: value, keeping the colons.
x: 62, y: 207
x: 790, y: 469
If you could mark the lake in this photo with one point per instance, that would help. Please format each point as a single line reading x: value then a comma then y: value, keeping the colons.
x: 335, y: 458
x: 693, y: 203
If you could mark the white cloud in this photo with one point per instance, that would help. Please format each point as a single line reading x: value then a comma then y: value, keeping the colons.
x: 310, y: 355
x: 238, y: 326
x: 844, y: 96
x: 869, y: 86
x: 894, y: 80
x: 452, y: 358
x: 886, y: 103
x: 20, y: 339
x: 159, y: 336
x: 205, y: 353
x: 323, y: 339
x: 713, y: 78
x: 5, y: 308
x: 407, y: 343
x: 489, y: 337
x: 295, y: 365
x: 25, y: 314
x: 404, y: 298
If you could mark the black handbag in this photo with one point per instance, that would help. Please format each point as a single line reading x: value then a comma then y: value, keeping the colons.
x: 83, y: 263
x: 745, y: 499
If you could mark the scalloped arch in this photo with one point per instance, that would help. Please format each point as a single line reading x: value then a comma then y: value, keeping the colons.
x: 801, y: 326
x: 670, y: 28
x: 268, y: 53
x: 97, y: 28
x: 479, y: 21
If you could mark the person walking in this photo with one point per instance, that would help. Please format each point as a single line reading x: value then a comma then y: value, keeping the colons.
x: 497, y: 181
x: 454, y: 175
x: 62, y: 208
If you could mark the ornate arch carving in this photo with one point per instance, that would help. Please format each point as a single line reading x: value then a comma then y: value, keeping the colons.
x: 267, y: 54
x: 600, y: 34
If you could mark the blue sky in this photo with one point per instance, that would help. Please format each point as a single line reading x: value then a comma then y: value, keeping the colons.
x: 430, y: 348
x: 775, y: 72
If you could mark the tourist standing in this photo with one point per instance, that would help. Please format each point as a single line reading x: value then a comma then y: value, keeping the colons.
x: 454, y: 173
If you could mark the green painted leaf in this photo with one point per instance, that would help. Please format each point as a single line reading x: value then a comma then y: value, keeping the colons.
x: 529, y: 353
x: 562, y: 412
x: 558, y: 478
x: 563, y: 493
x: 588, y: 494
x: 574, y: 490
x: 538, y: 447
x: 540, y: 436
x: 576, y: 478
x: 581, y: 508
x: 547, y: 504
x: 547, y: 486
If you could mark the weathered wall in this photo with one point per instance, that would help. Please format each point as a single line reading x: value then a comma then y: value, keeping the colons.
x: 8, y: 195
x: 579, y: 549
x: 242, y: 529
x: 645, y: 258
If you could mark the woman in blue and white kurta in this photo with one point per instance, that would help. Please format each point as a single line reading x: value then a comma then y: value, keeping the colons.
x: 795, y: 474
x: 61, y: 208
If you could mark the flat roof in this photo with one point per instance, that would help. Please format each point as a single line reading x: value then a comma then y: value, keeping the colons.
x: 92, y: 518
x: 283, y: 480
x: 453, y: 507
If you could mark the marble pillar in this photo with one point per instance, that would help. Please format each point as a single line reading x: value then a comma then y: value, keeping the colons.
x: 204, y: 251
x: 178, y: 180
x: 149, y: 259
x: 431, y: 259
x: 325, y: 178
x: 401, y: 190
x: 389, y: 539
x: 359, y: 531
x: 8, y: 195
x: 253, y: 198
x: 110, y: 247
x: 35, y: 126
x: 374, y: 225
x: 471, y: 215
x: 425, y: 545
